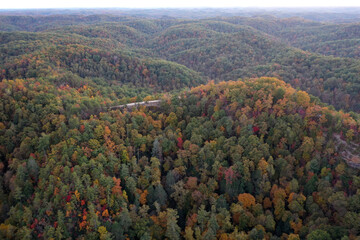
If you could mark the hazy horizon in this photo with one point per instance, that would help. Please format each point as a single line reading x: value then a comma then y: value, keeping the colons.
x: 141, y: 4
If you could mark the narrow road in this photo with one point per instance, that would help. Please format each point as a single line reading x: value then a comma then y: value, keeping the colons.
x: 153, y: 103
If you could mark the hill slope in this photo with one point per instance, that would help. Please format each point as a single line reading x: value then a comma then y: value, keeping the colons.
x: 46, y: 54
x: 219, y: 49
x: 250, y: 158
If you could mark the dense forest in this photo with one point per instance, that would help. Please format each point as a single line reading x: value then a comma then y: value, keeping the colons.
x: 149, y: 52
x: 256, y: 134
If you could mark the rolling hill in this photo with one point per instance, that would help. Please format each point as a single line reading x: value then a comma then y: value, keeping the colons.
x: 255, y: 133
x: 222, y: 49
x: 249, y: 159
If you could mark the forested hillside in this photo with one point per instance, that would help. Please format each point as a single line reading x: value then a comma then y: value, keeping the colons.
x: 148, y: 52
x: 256, y: 134
x: 340, y: 40
x: 244, y: 159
